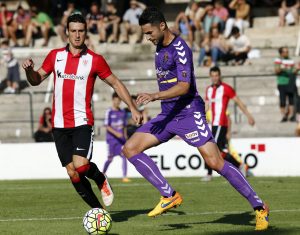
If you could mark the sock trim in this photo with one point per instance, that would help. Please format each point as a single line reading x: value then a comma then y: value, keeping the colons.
x: 75, y: 179
x: 83, y: 169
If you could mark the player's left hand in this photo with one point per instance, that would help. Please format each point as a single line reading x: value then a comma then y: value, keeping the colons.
x: 145, y: 98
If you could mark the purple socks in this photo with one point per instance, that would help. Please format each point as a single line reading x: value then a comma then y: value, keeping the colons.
x: 149, y: 170
x: 239, y: 182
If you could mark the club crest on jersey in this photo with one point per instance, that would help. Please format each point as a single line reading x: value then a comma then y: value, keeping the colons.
x: 184, y: 74
x: 166, y: 57
x: 85, y: 62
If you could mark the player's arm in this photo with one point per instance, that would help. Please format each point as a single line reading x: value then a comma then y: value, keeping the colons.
x: 114, y: 132
x: 33, y: 77
x: 124, y: 95
x: 181, y: 88
x: 244, y: 109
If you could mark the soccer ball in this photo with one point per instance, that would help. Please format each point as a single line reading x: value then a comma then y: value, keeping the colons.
x: 97, y: 221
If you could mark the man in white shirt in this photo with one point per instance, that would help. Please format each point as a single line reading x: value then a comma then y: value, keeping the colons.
x: 130, y: 23
x: 239, y: 45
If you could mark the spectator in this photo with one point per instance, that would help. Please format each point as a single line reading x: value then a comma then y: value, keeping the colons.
x: 41, y: 25
x: 188, y: 23
x: 6, y: 18
x: 95, y: 22
x: 286, y: 71
x: 242, y: 16
x: 298, y: 117
x: 288, y: 12
x: 44, y: 132
x: 210, y: 20
x: 239, y: 46
x: 13, y: 73
x: 19, y: 26
x: 61, y: 28
x: 111, y: 23
x: 130, y: 23
x: 214, y: 45
x: 221, y: 12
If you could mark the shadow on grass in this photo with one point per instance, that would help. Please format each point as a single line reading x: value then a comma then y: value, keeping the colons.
x: 121, y: 216
x: 271, y: 231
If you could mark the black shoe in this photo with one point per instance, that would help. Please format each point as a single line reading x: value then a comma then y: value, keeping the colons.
x: 292, y: 118
x: 284, y: 119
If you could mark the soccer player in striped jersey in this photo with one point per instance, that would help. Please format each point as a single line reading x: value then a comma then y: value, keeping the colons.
x: 75, y: 70
x: 218, y: 95
x: 183, y: 114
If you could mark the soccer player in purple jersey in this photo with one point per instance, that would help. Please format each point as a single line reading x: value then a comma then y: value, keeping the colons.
x: 115, y: 122
x: 183, y: 114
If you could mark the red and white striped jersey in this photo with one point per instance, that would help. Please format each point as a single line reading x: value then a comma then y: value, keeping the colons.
x: 74, y: 79
x: 218, y: 98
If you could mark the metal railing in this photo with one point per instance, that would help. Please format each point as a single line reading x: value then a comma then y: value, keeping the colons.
x: 31, y: 94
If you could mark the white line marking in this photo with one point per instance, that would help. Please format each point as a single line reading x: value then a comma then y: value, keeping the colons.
x: 170, y: 214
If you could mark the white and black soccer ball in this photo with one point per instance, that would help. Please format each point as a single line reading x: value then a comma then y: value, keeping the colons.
x: 97, y: 221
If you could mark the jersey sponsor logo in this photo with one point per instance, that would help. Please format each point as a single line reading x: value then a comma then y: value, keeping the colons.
x: 85, y: 62
x: 161, y: 73
x: 58, y: 60
x: 69, y: 76
x: 166, y: 57
x: 191, y: 135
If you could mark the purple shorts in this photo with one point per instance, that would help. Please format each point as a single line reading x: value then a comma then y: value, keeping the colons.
x: 114, y: 148
x: 192, y: 128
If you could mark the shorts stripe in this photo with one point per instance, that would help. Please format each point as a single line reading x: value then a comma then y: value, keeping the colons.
x: 90, y: 152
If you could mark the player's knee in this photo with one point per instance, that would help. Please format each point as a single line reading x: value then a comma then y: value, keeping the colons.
x: 128, y: 150
x: 72, y: 173
x: 214, y: 163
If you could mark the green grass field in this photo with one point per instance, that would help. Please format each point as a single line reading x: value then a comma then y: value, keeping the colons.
x: 52, y: 207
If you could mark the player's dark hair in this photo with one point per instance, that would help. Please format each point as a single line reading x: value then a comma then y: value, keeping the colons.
x: 235, y: 30
x: 115, y: 95
x: 215, y: 69
x: 151, y: 15
x: 76, y: 18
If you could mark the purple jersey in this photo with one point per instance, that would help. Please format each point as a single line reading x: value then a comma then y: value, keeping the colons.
x: 174, y: 63
x: 117, y: 120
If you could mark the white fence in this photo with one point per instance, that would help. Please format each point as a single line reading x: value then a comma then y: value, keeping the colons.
x: 266, y: 156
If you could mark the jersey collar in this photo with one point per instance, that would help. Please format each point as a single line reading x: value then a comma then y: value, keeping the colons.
x: 83, y: 52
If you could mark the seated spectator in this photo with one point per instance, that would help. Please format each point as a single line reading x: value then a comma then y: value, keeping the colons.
x: 286, y: 72
x: 210, y: 20
x: 6, y: 18
x: 44, y: 132
x: 215, y: 46
x: 61, y: 28
x: 95, y: 22
x: 239, y: 46
x: 19, y: 26
x: 188, y: 23
x: 221, y: 12
x: 288, y: 12
x: 130, y: 23
x: 242, y: 16
x: 111, y: 23
x: 13, y: 73
x: 41, y: 25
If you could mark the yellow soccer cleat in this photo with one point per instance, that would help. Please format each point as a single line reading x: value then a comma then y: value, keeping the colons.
x: 166, y: 204
x: 262, y: 218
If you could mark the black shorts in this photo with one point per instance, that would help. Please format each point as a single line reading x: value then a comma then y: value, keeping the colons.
x: 73, y: 141
x: 285, y: 92
x: 13, y: 73
x: 219, y: 133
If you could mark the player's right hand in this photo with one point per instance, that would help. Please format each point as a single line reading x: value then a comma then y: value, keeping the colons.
x: 28, y: 64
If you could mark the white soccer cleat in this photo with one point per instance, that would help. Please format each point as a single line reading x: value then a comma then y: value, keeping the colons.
x: 107, y: 193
